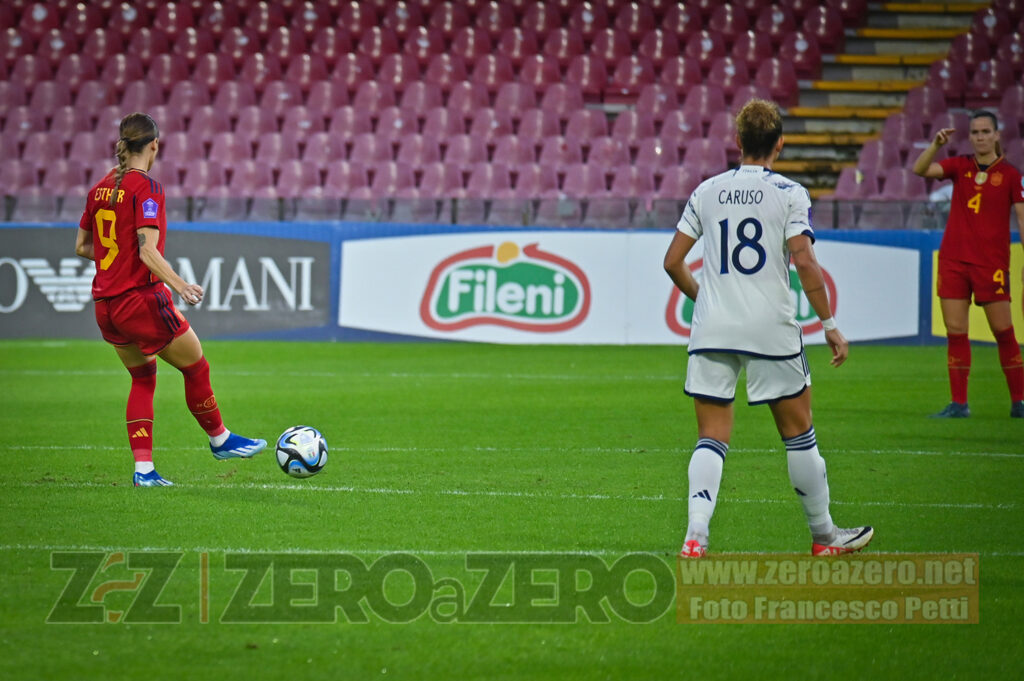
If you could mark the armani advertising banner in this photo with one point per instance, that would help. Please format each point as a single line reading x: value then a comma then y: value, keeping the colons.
x: 252, y: 284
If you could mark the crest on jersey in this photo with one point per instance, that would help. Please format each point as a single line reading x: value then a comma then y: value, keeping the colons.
x: 149, y: 208
x: 997, y: 179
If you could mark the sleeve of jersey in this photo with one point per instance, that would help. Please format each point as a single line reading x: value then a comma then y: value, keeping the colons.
x: 799, y: 219
x: 949, y: 166
x: 1017, y: 190
x: 149, y: 204
x: 689, y: 223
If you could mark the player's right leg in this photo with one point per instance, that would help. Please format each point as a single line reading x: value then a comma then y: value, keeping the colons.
x: 955, y: 301
x: 1000, y: 321
x: 185, y: 353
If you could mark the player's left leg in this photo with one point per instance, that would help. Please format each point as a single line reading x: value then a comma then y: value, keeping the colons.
x: 139, y: 414
x: 185, y: 353
x: 1000, y: 320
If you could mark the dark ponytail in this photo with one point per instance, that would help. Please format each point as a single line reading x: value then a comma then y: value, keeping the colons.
x: 135, y: 132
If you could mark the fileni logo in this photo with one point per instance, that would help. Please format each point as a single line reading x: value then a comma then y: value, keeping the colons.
x: 679, y: 313
x: 526, y: 289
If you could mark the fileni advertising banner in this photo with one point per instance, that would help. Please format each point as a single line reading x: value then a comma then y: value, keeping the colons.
x: 252, y: 284
x: 587, y: 287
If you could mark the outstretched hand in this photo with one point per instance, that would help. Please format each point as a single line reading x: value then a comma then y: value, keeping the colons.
x: 943, y: 136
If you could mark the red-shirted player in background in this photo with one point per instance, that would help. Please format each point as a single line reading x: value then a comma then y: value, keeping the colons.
x: 974, y: 257
x: 123, y: 230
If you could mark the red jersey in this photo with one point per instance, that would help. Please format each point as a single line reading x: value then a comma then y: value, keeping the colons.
x: 140, y: 203
x: 978, y: 229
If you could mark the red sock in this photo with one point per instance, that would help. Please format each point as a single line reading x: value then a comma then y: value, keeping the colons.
x: 200, y: 399
x: 139, y: 414
x: 958, y: 354
x: 1010, y: 360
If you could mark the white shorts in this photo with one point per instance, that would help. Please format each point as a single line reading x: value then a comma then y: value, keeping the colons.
x: 713, y: 375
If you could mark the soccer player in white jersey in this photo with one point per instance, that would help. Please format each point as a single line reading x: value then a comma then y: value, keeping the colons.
x: 753, y: 222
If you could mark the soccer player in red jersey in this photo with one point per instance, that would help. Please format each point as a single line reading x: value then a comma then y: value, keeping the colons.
x: 974, y: 257
x: 123, y: 230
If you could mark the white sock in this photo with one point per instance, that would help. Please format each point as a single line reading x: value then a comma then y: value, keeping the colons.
x: 705, y: 477
x: 807, y: 473
x: 144, y: 467
x: 218, y: 440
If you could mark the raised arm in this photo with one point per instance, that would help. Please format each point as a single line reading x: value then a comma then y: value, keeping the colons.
x: 158, y: 265
x: 813, y: 282
x: 925, y: 165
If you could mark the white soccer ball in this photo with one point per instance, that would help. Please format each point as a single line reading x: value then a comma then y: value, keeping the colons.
x: 301, y: 451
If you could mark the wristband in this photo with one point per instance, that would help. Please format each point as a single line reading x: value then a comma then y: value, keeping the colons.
x: 828, y: 324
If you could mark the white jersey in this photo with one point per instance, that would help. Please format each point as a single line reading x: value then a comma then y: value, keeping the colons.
x: 745, y: 304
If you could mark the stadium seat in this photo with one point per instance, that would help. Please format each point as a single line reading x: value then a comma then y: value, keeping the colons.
x: 489, y: 181
x: 368, y: 149
x: 87, y: 148
x: 634, y: 19
x: 658, y: 46
x: 352, y: 70
x: 470, y: 44
x: 440, y: 123
x: 21, y: 121
x: 853, y: 12
x: 588, y: 73
x: 230, y: 148
x: 236, y: 42
x: 218, y: 18
x: 274, y: 148
x: 775, y: 22
x: 251, y: 122
x: 632, y: 126
x: 214, y: 70
x: 682, y: 20
x: 283, y: 43
x: 778, y: 78
x: 559, y: 152
x: 722, y: 129
x: 563, y: 44
x: 751, y: 48
x: 178, y: 148
x: 201, y: 175
x: 108, y: 120
x: 494, y: 18
x: 398, y: 70
x: 513, y: 150
x: 540, y: 70
x: 877, y: 158
x: 607, y: 152
x: 296, y: 178
x: 374, y: 97
x: 901, y: 184
x: 1012, y: 102
x: 259, y: 69
x: 305, y: 70
x: 41, y: 148
x: 802, y: 50
x: 418, y: 150
x: 492, y: 71
x: 991, y: 24
x: 48, y: 95
x: 631, y: 75
x: 677, y: 182
x: 585, y: 124
x: 16, y: 176
x: 729, y: 74
x: 394, y: 123
x: 540, y: 18
x: 357, y: 17
x: 402, y: 17
x: 536, y: 181
x: 517, y: 44
x: 465, y: 151
x: 173, y: 18
x: 449, y: 17
x: 420, y: 97
x: 1011, y: 51
x: 423, y: 44
x: 702, y: 102
x: 393, y: 180
x: 488, y: 123
x: 191, y: 44
x: 322, y: 149
x: 38, y: 18
x: 263, y: 18
x: 165, y: 70
x: 656, y: 100
x: 536, y: 124
x: 466, y: 97
x: 440, y: 180
x: 60, y: 176
x: 330, y: 42
x: 13, y: 44
x: 168, y: 119
x: 100, y: 44
x: 902, y: 131
x: 583, y: 180
x: 925, y: 102
x: 705, y: 46
x: 206, y: 121
x: 988, y: 82
x: 680, y: 74
x: 562, y: 99
x: 54, y: 45
x: 140, y: 95
x: 300, y: 122
x: 515, y: 98
x: 855, y: 184
x: 251, y: 178
x: 343, y: 178
x: 655, y: 155
x: 825, y: 23
x: 444, y: 70
x: 970, y: 49
x: 728, y: 21
x: 958, y: 120
x: 588, y: 18
x: 679, y: 128
x: 799, y: 8
x: 30, y: 69
x: 610, y: 46
x: 186, y: 95
x: 705, y: 157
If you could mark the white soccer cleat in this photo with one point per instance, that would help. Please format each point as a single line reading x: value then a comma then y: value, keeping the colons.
x: 846, y: 541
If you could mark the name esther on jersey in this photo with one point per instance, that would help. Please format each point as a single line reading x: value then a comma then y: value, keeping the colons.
x: 742, y: 197
x: 103, y: 194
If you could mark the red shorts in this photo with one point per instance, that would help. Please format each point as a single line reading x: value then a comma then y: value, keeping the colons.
x: 961, y: 279
x: 144, y: 317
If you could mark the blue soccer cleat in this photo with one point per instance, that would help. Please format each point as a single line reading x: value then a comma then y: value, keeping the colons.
x: 1017, y: 410
x: 238, y: 447
x: 953, y: 410
x: 150, y: 479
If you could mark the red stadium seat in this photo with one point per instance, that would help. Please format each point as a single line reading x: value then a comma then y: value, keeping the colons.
x: 377, y: 43
x: 635, y: 19
x: 200, y: 175
x: 465, y: 151
x: 536, y: 181
x: 589, y: 74
x: 101, y: 45
x: 681, y: 19
x: 274, y: 148
x: 728, y: 21
x: 423, y: 44
x: 562, y: 98
x: 56, y: 44
x: 877, y: 158
x: 853, y: 12
x: 825, y: 23
x: 902, y: 131
x: 88, y: 148
x: 253, y: 121
x: 1012, y: 102
x: 92, y: 95
x: 958, y: 120
x: 703, y: 101
x: 775, y: 22
x: 403, y: 17
x: 214, y: 70
x: 259, y: 69
x: 108, y: 120
x: 352, y: 70
x: 802, y: 50
x: 173, y: 18
x: 166, y: 70
x: 855, y: 184
x: 988, y: 83
x: 218, y: 18
x: 193, y: 44
x: 178, y: 148
x: 300, y: 121
x: 659, y: 46
x: 420, y: 97
x: 680, y: 128
x: 237, y: 42
x: 751, y: 48
x: 16, y: 176
x: 49, y: 95
x: 722, y: 129
x: 607, y: 152
x: 206, y: 121
x: 655, y: 155
x: 515, y: 98
x: 263, y: 18
x: 330, y: 42
x: 631, y: 75
x: 729, y: 74
x: 418, y: 150
x: 901, y: 184
x: 440, y: 123
x: 706, y: 157
x: 563, y: 44
x: 322, y: 149
x: 231, y: 96
x: 187, y: 95
x: 393, y: 180
x: 583, y: 180
x: 374, y: 97
x: 705, y: 46
x: 799, y: 8
x: 512, y: 150
x: 778, y: 77
x: 489, y: 181
x: 1011, y: 51
x: 631, y: 126
x: 970, y: 49
x: 466, y: 97
x: 296, y: 179
x: 394, y: 123
x: 559, y: 152
x: 13, y: 44
x: 536, y: 124
x: 38, y: 18
x: 494, y: 18
x: 439, y: 181
x: 398, y: 71
x: 746, y: 93
x: 585, y: 124
x: 492, y: 71
x: 128, y: 18
x: 488, y: 123
x: 681, y: 73
x: 344, y: 178
x: 449, y: 17
x: 991, y: 24
x: 632, y: 182
x: 444, y: 70
x: 925, y: 102
x: 588, y: 18
x: 284, y: 43
x: 347, y: 122
x: 357, y: 17
x: 470, y: 44
x: 541, y: 18
x: 517, y: 44
x: 42, y: 148
x: 251, y: 178
x: 169, y: 120
x: 140, y: 95
x: 369, y: 149
x: 30, y: 69
x: 656, y: 100
x: 63, y: 177
x: 610, y: 46
x: 540, y: 70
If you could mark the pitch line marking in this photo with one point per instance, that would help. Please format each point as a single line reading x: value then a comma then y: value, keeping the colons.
x: 387, y: 491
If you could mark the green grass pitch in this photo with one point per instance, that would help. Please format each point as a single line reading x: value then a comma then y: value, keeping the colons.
x: 440, y: 450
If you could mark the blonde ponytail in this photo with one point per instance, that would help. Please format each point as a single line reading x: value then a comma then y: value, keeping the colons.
x: 121, y: 152
x: 136, y: 131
